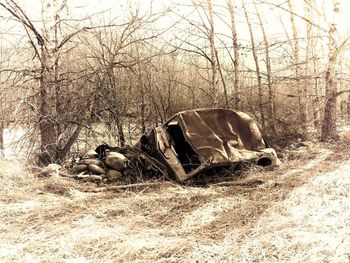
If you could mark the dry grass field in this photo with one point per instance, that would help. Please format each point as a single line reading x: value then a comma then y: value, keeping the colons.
x: 297, y: 213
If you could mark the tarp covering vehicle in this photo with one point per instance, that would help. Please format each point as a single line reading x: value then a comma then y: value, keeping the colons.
x: 194, y: 141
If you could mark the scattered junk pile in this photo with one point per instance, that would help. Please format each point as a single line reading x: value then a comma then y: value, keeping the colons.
x: 191, y: 145
x: 109, y: 164
x: 93, y: 169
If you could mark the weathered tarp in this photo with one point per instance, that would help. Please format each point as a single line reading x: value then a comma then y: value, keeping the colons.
x: 194, y: 141
x: 220, y: 135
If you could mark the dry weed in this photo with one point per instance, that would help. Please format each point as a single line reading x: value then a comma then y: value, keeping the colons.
x: 311, y: 225
x: 296, y: 213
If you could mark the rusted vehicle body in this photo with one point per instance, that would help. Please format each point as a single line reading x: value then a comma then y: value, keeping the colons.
x: 195, y: 141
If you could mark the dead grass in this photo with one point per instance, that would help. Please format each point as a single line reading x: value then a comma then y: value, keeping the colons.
x: 297, y: 213
x: 311, y: 224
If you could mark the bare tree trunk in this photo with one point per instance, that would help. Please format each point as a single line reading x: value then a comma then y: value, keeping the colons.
x: 236, y: 63
x: 308, y: 52
x: 226, y: 105
x: 142, y: 93
x: 348, y: 109
x: 329, y: 123
x: 271, y: 113
x: 213, y: 61
x: 121, y: 136
x: 257, y: 68
x: 311, y: 70
x: 1, y: 134
x: 63, y: 153
x: 316, y: 104
x: 143, y: 106
x: 2, y: 117
x: 57, y: 87
x: 301, y: 93
x: 47, y: 124
x: 329, y: 127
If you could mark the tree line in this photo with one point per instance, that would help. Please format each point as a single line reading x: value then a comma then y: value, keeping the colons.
x: 62, y: 77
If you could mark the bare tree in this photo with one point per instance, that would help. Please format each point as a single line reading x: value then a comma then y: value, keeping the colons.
x: 202, y: 34
x: 41, y: 51
x: 236, y: 62
x: 257, y: 68
x: 2, y: 117
x: 2, y: 125
x: 329, y: 123
x: 213, y: 56
x: 296, y: 54
x: 271, y: 113
x: 57, y: 134
x: 311, y: 63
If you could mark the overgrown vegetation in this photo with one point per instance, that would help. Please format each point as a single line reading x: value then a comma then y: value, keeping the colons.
x: 68, y: 76
x: 73, y: 74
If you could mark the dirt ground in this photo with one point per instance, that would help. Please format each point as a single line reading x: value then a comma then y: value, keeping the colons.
x: 299, y: 212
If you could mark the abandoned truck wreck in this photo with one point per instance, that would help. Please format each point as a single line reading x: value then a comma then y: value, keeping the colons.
x: 194, y: 141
